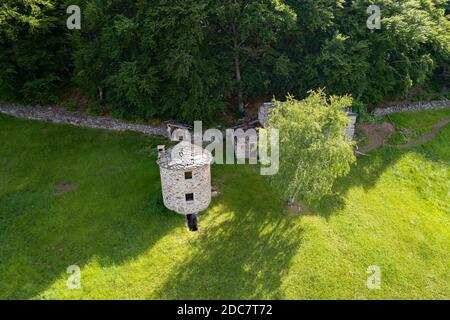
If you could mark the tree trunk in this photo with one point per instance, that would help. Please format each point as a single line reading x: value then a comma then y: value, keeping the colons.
x: 237, y: 65
x: 239, y: 83
x: 291, y: 199
x: 290, y: 202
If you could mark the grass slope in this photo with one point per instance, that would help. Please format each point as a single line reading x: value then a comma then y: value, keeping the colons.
x: 417, y: 123
x: 392, y: 211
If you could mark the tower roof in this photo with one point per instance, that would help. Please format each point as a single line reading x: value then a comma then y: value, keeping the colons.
x: 185, y: 155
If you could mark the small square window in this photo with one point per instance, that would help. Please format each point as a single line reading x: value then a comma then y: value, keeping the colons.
x: 188, y: 175
x: 180, y: 138
x: 189, y: 197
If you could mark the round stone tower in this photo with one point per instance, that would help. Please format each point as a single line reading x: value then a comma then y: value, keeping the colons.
x: 185, y: 179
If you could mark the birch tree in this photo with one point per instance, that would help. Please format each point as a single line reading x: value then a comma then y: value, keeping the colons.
x: 313, y: 148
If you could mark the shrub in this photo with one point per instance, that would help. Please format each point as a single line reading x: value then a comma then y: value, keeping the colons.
x: 69, y: 106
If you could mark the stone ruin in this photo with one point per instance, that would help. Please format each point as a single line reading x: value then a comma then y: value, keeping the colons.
x: 264, y: 112
x: 248, y: 149
x: 350, y: 132
x: 185, y: 179
x: 178, y: 131
x: 266, y: 108
x: 246, y: 140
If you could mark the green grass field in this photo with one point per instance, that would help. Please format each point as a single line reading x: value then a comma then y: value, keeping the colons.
x: 418, y: 123
x: 391, y: 211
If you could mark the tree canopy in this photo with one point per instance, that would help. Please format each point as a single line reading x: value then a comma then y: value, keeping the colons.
x: 313, y: 148
x: 188, y: 59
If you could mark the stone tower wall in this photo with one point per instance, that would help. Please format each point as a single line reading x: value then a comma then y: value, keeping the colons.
x: 175, y: 187
x: 350, y: 132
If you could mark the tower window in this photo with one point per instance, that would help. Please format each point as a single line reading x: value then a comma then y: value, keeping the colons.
x: 189, y: 197
x: 188, y: 175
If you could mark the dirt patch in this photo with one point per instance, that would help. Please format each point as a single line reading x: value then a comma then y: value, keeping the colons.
x: 376, y: 133
x: 63, y: 187
x: 80, y: 101
x: 295, y: 209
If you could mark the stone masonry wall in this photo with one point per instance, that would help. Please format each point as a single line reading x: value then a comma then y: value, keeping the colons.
x: 175, y: 187
x: 412, y: 107
x: 58, y: 115
x: 264, y: 113
x: 350, y: 132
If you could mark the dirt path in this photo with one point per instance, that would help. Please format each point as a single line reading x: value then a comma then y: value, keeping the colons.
x: 378, y: 134
x: 427, y: 136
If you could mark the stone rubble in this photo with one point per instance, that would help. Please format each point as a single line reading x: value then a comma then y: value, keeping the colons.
x: 408, y: 107
x: 59, y: 115
x: 184, y: 156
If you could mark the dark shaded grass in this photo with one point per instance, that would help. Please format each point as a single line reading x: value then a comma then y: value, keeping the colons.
x: 115, y: 213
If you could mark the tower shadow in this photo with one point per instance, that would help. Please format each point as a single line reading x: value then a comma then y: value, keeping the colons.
x: 242, y: 255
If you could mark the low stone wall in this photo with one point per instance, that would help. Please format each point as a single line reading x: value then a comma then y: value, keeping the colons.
x: 408, y: 107
x: 59, y: 115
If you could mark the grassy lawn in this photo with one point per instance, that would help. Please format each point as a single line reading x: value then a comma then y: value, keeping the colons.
x: 416, y: 123
x: 72, y: 196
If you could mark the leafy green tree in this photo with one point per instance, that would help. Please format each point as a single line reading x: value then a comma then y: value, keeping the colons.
x: 245, y: 31
x: 191, y: 85
x: 149, y: 58
x: 332, y: 47
x: 187, y: 59
x: 301, y: 44
x: 413, y: 41
x: 313, y: 148
x: 34, y: 50
x: 14, y: 15
x: 107, y: 38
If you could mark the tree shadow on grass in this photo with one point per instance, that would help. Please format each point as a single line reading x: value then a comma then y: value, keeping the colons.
x: 368, y: 170
x: 364, y: 173
x: 44, y: 251
x: 247, y: 252
x: 114, y: 214
x: 244, y: 251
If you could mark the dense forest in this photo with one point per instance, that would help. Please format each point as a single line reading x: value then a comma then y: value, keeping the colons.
x: 187, y: 59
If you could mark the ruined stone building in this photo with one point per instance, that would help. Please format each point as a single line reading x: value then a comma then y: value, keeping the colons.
x: 266, y: 108
x: 178, y: 131
x: 185, y: 179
